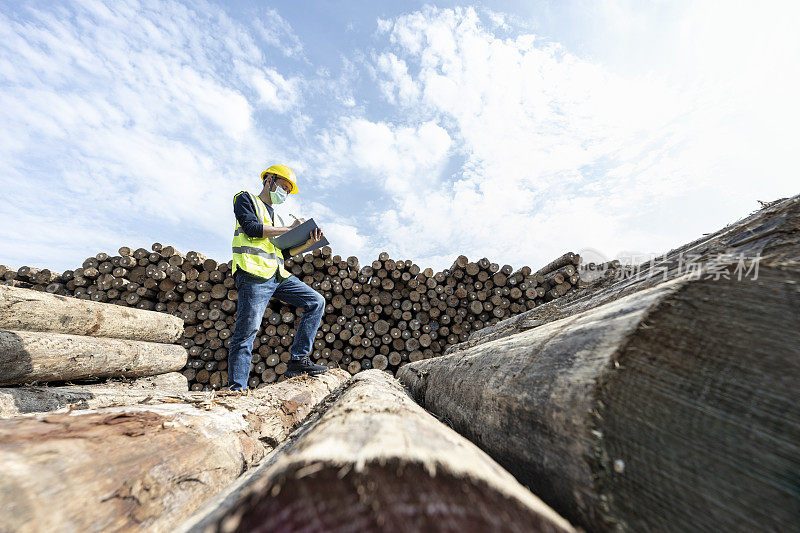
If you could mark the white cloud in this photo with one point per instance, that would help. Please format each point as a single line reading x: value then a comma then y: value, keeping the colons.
x: 347, y: 238
x: 561, y: 152
x: 401, y: 83
x: 275, y: 91
x: 277, y: 32
x: 401, y: 158
x: 125, y: 121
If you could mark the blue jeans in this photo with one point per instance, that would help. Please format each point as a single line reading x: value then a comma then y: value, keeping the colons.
x: 254, y: 295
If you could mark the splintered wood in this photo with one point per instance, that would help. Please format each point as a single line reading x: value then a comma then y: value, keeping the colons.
x: 141, y: 462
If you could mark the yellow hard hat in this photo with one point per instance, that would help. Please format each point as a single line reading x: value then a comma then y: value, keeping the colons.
x: 284, y: 172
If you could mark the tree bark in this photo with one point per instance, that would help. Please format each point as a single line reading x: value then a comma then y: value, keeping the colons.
x: 375, y: 461
x: 144, y: 467
x: 23, y: 400
x: 32, y: 356
x: 772, y: 232
x: 676, y: 406
x: 25, y: 309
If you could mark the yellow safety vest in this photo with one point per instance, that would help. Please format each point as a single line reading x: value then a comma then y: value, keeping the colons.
x: 256, y: 255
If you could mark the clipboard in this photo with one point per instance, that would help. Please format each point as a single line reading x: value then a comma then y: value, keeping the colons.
x: 299, y: 235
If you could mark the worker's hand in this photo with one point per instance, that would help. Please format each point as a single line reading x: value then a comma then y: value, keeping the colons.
x: 315, y: 236
x: 297, y: 222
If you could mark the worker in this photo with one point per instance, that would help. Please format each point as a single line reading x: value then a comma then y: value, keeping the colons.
x: 259, y: 274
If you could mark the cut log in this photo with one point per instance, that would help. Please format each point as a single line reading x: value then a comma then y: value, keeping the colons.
x: 677, y: 405
x: 32, y: 356
x: 142, y: 467
x: 376, y: 461
x: 565, y: 259
x: 23, y: 400
x: 25, y: 309
x: 771, y: 234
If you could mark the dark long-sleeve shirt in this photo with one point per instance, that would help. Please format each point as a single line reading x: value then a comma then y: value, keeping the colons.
x: 248, y: 219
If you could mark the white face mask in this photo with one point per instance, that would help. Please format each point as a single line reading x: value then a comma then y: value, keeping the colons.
x: 278, y: 196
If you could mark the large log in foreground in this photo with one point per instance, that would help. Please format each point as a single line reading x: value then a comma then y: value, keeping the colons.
x: 26, y: 309
x: 674, y: 408
x: 30, y: 356
x: 37, y: 399
x: 146, y: 466
x: 771, y: 234
x: 376, y: 461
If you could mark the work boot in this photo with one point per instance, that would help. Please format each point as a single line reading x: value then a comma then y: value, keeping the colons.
x: 295, y: 367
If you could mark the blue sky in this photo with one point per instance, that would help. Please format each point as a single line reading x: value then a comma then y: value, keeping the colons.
x: 508, y: 129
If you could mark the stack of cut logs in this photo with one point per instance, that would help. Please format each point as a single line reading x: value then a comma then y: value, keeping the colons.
x: 380, y: 315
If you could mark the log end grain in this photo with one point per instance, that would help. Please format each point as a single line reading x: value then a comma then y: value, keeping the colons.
x: 381, y: 497
x: 702, y: 411
x: 374, y: 460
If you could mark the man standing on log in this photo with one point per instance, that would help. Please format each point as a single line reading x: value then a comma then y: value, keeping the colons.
x: 259, y: 273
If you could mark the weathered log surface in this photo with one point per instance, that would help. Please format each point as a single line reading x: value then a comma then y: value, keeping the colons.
x: 675, y: 407
x: 773, y: 233
x: 375, y: 461
x: 35, y: 399
x: 26, y: 309
x: 142, y: 467
x: 33, y: 356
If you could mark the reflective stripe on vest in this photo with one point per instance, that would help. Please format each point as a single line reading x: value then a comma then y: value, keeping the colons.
x: 256, y: 255
x: 253, y: 251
